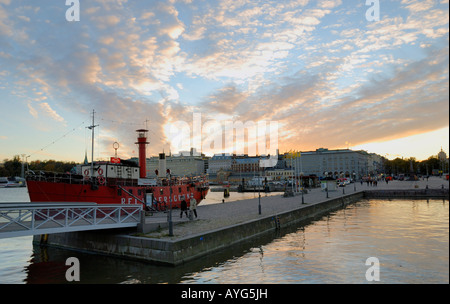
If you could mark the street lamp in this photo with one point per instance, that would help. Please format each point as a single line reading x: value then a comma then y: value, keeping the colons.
x: 259, y: 192
x: 22, y: 172
x: 301, y: 186
x: 170, y: 205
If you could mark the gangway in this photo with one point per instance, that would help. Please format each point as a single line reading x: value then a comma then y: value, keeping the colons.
x: 22, y: 219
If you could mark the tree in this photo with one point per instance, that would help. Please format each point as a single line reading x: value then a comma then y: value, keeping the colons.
x: 12, y: 167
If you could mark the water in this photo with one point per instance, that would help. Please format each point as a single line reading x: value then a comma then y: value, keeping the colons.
x: 409, y: 237
x: 216, y: 197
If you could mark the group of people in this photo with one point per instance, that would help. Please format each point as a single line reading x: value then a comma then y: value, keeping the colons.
x: 371, y: 182
x: 192, y: 207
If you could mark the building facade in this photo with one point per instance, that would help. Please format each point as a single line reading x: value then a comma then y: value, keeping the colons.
x: 345, y: 162
x: 246, y: 165
x: 180, y: 165
x: 280, y: 174
x: 219, y: 162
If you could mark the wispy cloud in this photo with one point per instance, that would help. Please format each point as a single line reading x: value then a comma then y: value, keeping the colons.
x: 317, y: 67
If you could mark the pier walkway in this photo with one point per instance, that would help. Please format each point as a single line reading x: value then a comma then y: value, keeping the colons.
x: 216, y: 216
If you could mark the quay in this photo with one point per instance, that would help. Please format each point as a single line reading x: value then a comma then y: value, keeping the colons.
x: 222, y: 225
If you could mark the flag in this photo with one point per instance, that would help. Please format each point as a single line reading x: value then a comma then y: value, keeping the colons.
x: 292, y: 154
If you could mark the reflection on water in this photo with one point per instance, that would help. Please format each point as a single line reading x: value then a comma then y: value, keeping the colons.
x: 410, y: 239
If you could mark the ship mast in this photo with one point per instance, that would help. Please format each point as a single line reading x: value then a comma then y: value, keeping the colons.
x: 92, y: 152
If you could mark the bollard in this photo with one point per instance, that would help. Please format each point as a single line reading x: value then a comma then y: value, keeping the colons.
x: 259, y: 204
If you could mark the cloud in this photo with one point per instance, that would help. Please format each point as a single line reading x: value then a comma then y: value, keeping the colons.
x: 413, y: 100
x: 319, y: 69
x: 50, y: 112
x: 226, y: 100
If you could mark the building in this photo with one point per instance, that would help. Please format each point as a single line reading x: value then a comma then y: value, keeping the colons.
x: 442, y: 156
x: 443, y: 161
x: 219, y: 162
x: 341, y: 162
x: 246, y: 165
x: 179, y: 165
x: 280, y: 174
x: 375, y: 164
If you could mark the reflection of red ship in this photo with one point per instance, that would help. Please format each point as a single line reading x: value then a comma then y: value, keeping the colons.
x: 118, y: 182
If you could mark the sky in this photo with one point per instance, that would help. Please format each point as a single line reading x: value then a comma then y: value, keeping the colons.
x: 325, y: 72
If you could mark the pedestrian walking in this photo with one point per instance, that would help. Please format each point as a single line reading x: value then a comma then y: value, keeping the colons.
x: 183, y: 208
x: 193, y: 206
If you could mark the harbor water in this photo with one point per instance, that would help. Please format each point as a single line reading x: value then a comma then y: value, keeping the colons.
x: 409, y: 238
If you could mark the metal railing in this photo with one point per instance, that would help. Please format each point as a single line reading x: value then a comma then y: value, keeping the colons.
x: 21, y: 219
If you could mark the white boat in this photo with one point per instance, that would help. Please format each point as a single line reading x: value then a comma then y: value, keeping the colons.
x: 3, y: 182
x: 12, y: 182
x: 259, y: 181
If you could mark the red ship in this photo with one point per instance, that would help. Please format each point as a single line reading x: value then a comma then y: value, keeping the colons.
x: 118, y: 182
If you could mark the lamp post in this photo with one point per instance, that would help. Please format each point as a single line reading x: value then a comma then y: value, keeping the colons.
x: 22, y: 172
x: 26, y: 162
x: 259, y: 192
x: 170, y: 205
x: 301, y: 186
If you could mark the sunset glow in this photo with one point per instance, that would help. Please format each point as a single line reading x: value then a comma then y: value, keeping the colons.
x: 325, y: 73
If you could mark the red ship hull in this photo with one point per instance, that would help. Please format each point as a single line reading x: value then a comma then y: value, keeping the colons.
x: 46, y: 191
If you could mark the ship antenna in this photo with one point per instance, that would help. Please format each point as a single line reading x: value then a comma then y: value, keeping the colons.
x: 91, y: 127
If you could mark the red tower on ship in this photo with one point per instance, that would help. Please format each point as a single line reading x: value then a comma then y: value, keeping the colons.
x: 142, y: 142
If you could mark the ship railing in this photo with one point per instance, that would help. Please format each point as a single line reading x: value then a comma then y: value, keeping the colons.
x: 70, y: 178
x: 56, y: 177
x: 183, y: 180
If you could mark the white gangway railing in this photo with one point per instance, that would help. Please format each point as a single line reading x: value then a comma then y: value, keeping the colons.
x: 21, y: 219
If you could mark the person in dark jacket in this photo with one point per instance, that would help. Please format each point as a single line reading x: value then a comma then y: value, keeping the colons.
x: 183, y: 208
